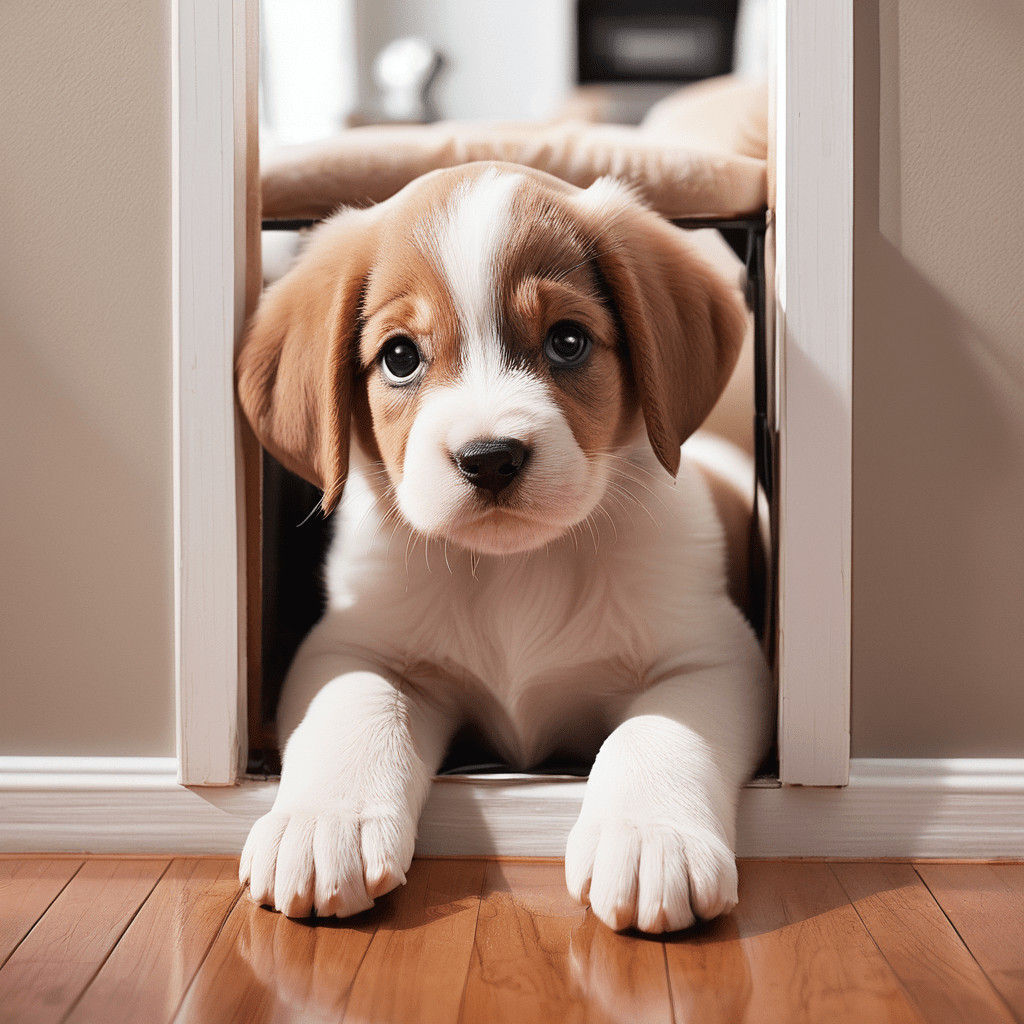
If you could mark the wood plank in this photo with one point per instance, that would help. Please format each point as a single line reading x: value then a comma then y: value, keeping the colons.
x: 709, y: 973
x: 623, y: 977
x: 27, y: 888
x: 60, y: 956
x: 147, y: 974
x: 920, y: 945
x: 985, y: 903
x: 538, y: 956
x: 264, y: 967
x: 794, y: 950
x: 1010, y: 874
x: 416, y: 966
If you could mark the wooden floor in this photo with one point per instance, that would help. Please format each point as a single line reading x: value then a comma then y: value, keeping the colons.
x: 151, y: 940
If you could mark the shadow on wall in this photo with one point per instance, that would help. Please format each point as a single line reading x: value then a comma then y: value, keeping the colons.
x: 938, y: 514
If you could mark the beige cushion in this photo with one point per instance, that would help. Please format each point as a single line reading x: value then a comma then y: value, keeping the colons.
x: 702, y: 150
x: 727, y: 115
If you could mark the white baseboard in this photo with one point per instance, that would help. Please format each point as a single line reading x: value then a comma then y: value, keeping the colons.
x: 892, y: 808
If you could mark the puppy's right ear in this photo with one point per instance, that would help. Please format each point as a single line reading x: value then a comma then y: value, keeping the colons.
x: 296, y: 365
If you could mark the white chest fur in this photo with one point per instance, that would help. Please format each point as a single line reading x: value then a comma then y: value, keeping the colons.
x: 537, y: 649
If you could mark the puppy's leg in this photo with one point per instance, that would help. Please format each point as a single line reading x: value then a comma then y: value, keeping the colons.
x: 356, y: 773
x: 653, y: 846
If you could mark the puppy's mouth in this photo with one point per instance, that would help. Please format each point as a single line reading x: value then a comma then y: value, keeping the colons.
x: 500, y: 531
x: 494, y: 512
x: 506, y: 523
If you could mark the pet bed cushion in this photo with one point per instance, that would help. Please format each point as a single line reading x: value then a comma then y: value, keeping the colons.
x: 700, y: 151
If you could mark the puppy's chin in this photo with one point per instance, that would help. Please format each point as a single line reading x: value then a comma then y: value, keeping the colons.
x: 502, y: 533
x: 500, y: 529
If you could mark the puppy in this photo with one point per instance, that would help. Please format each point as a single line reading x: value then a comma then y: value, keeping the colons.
x: 520, y: 547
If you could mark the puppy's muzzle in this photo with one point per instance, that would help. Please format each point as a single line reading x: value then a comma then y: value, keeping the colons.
x: 491, y: 465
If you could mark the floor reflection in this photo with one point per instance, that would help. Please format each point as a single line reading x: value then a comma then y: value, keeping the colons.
x: 459, y: 944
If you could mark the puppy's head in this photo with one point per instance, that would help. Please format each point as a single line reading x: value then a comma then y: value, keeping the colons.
x: 492, y: 334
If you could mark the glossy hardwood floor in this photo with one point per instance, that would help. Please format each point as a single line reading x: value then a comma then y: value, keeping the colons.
x: 155, y: 940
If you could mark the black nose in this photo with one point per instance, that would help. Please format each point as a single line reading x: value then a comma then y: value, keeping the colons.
x: 491, y: 465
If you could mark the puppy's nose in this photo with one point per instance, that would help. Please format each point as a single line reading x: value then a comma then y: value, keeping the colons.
x: 491, y: 465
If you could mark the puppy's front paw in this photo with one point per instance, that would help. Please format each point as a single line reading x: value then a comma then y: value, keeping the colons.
x: 328, y: 864
x: 654, y: 877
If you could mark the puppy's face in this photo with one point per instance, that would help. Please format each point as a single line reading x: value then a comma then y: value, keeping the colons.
x: 495, y: 377
x: 494, y: 334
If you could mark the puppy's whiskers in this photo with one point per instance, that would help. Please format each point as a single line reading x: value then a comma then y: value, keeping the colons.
x: 617, y: 488
x: 372, y: 506
x: 368, y: 475
x: 625, y: 512
x: 392, y: 510
x: 600, y: 508
x: 410, y: 545
x: 398, y: 523
x: 623, y: 475
x: 631, y: 464
x: 312, y: 512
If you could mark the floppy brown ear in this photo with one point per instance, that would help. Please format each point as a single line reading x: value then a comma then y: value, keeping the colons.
x: 683, y: 323
x: 295, y: 368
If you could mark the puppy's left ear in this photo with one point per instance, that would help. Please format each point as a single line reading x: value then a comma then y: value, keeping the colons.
x: 683, y: 323
x: 296, y: 366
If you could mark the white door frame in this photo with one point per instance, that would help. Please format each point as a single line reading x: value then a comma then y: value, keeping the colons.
x: 209, y: 48
x: 813, y: 230
x: 814, y: 328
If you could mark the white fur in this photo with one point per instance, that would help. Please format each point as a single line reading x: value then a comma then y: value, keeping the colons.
x: 469, y: 248
x: 593, y: 622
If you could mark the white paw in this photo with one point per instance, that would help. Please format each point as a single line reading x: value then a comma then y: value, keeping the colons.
x: 655, y: 877
x: 328, y: 864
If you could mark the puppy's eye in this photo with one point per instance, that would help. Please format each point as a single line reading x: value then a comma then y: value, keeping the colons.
x: 567, y: 345
x: 400, y: 360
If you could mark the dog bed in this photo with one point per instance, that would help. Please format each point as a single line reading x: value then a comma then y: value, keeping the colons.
x: 701, y: 151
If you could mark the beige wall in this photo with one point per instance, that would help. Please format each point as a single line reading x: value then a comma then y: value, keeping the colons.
x: 938, y: 526
x: 86, y: 613
x: 86, y: 620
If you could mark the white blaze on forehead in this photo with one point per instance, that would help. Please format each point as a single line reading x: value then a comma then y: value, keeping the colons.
x: 469, y: 246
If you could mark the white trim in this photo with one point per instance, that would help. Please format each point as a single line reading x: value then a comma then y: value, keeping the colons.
x: 891, y: 808
x: 90, y: 770
x: 814, y: 299
x: 208, y: 147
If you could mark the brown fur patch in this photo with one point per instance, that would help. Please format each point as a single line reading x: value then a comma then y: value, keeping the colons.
x: 405, y: 297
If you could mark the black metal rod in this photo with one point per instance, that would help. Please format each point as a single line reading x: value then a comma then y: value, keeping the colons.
x: 297, y: 224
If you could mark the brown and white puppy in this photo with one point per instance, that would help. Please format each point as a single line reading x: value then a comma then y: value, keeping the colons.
x: 520, y: 547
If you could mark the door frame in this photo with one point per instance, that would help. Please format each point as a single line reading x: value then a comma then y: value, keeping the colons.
x: 214, y: 131
x: 214, y: 61
x: 814, y: 331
